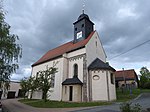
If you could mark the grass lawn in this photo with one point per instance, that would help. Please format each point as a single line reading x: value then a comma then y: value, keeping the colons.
x: 60, y: 104
x: 121, y: 97
x: 126, y: 96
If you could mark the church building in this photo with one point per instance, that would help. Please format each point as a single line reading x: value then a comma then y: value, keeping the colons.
x: 83, y: 73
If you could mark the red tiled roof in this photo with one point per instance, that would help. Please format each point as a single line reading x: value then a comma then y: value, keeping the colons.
x: 58, y: 51
x: 128, y: 74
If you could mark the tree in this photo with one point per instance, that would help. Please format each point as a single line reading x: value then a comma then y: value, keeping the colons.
x: 29, y: 85
x: 10, y: 51
x: 33, y: 84
x: 24, y: 83
x: 46, y: 79
x: 145, y: 77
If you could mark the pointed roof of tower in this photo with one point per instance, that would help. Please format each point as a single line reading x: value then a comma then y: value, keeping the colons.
x: 83, y: 16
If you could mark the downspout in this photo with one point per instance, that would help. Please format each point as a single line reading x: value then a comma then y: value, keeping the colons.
x: 107, y: 85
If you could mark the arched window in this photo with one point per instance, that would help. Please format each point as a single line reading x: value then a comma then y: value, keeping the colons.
x: 75, y: 70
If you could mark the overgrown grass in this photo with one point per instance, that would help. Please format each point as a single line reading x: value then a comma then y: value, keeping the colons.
x: 60, y: 104
x: 126, y: 95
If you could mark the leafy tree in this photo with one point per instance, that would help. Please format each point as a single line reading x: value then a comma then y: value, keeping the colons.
x: 45, y: 79
x: 29, y: 84
x: 145, y: 77
x: 24, y: 83
x: 10, y: 51
x: 33, y: 84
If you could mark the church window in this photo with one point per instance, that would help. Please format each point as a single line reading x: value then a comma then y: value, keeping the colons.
x: 52, y: 80
x: 112, y: 78
x: 96, y: 43
x: 75, y: 70
x: 75, y: 29
x: 82, y: 25
x: 96, y: 77
x: 37, y: 74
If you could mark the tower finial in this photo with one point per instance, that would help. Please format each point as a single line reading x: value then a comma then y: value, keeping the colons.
x: 83, y: 6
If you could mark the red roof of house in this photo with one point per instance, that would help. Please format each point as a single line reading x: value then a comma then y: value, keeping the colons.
x: 128, y: 74
x: 58, y: 51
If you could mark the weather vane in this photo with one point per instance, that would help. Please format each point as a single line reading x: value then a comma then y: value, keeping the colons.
x: 83, y: 6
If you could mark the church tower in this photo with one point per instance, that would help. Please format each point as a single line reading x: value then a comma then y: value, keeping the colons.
x: 82, y: 27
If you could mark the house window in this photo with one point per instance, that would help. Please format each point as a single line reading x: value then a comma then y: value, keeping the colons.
x: 52, y: 80
x: 37, y: 75
x: 82, y: 25
x: 96, y: 43
x: 112, y: 78
x: 75, y: 70
x: 75, y: 29
x: 96, y: 77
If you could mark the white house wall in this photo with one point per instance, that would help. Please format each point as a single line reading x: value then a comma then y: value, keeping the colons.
x: 94, y: 52
x: 15, y: 86
x: 99, y: 86
x: 76, y: 93
x: 76, y: 58
x: 76, y: 52
x: 112, y: 88
x: 56, y: 94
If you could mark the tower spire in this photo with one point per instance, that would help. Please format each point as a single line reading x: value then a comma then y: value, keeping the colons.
x: 83, y: 6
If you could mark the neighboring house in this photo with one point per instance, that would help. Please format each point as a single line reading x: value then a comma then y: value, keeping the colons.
x: 83, y: 74
x: 128, y: 77
x: 13, y: 91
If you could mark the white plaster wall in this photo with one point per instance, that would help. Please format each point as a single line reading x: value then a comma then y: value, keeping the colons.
x: 77, y: 52
x: 65, y: 93
x: 37, y: 95
x: 78, y: 61
x: 94, y: 52
x: 77, y: 93
x: 15, y: 86
x: 128, y: 82
x: 56, y: 94
x: 76, y: 97
x: 65, y: 67
x: 112, y: 88
x: 99, y: 87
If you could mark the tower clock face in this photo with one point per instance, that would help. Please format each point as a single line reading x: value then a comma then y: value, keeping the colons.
x: 79, y: 34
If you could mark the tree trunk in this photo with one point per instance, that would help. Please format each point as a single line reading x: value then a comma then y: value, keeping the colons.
x: 45, y: 96
x: 31, y: 95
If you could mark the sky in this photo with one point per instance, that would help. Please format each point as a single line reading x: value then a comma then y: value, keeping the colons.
x: 45, y: 24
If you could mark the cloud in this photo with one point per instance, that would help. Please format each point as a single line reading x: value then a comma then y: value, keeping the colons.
x: 46, y: 24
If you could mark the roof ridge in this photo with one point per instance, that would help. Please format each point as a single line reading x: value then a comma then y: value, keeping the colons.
x: 125, y: 70
x: 58, y: 51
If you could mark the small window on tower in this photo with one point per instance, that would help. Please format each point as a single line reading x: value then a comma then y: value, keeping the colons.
x: 75, y: 29
x: 112, y: 78
x: 96, y: 43
x: 82, y: 25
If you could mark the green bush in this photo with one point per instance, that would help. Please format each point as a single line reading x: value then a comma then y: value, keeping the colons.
x: 147, y: 85
x: 126, y: 107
